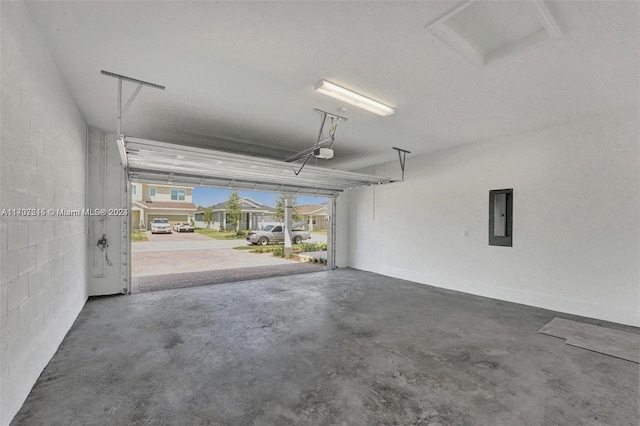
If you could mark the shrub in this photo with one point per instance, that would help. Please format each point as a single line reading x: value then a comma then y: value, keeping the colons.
x: 138, y: 235
x: 313, y: 246
x: 278, y: 251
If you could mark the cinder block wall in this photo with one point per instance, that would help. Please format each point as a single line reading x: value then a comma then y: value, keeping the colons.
x: 42, y: 161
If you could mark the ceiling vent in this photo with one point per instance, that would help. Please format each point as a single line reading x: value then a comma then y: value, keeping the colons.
x: 483, y: 31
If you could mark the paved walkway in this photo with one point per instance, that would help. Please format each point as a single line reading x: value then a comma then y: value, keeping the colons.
x: 144, y: 284
x: 313, y: 255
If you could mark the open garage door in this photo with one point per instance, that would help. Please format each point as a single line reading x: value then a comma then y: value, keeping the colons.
x: 166, y: 163
x: 152, y: 161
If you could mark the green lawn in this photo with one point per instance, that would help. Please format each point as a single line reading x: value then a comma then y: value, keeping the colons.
x: 212, y: 233
x: 137, y: 236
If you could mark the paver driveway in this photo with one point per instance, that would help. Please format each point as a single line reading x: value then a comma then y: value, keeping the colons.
x: 176, y: 261
x: 183, y: 241
x: 184, y: 259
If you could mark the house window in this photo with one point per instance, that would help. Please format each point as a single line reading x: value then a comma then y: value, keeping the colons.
x: 152, y: 192
x: 133, y: 189
x: 177, y: 194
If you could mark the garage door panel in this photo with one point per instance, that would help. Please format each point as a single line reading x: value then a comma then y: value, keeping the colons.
x: 152, y: 161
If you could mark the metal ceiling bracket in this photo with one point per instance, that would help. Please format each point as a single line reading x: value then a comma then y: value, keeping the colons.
x: 332, y: 127
x: 140, y: 83
x: 330, y: 115
x: 402, y: 156
x: 320, y: 141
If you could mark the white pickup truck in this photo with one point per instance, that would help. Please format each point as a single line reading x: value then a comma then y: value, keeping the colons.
x: 275, y: 234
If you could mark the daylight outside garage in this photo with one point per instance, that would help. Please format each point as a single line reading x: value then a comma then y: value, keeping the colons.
x: 183, y: 234
x: 230, y: 236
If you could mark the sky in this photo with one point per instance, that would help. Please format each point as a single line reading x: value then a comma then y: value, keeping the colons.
x: 208, y: 197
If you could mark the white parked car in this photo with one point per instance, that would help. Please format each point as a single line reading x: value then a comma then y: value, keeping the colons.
x: 160, y: 226
x: 183, y: 227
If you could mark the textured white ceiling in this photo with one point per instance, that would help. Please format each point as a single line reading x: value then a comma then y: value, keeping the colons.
x: 239, y: 76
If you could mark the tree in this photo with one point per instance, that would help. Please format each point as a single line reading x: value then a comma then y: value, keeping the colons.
x: 208, y: 216
x: 279, y: 213
x: 234, y: 210
x: 200, y: 208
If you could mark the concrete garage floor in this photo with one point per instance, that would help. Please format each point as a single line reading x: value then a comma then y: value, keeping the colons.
x: 339, y: 347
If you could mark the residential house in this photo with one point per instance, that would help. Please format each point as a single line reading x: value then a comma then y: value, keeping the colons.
x: 254, y: 215
x: 314, y: 215
x: 149, y: 201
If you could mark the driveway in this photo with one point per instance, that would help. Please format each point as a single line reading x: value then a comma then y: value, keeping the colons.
x: 190, y: 259
x: 176, y: 236
x: 156, y: 262
x: 317, y: 237
x: 183, y: 241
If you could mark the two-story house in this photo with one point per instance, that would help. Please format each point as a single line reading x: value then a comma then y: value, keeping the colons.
x: 149, y: 201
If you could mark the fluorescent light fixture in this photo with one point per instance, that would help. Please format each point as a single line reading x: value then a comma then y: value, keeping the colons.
x: 338, y: 92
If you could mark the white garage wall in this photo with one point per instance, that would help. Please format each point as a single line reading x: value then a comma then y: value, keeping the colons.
x: 342, y: 215
x: 105, y: 279
x: 576, y: 217
x: 42, y: 162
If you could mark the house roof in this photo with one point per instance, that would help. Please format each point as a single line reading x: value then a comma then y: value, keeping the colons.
x: 311, y: 209
x: 158, y: 185
x: 138, y: 204
x: 246, y: 204
x: 170, y: 205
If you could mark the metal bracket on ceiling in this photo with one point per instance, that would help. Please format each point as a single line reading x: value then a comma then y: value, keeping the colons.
x: 140, y: 83
x: 332, y: 127
x: 321, y: 142
x: 402, y: 156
